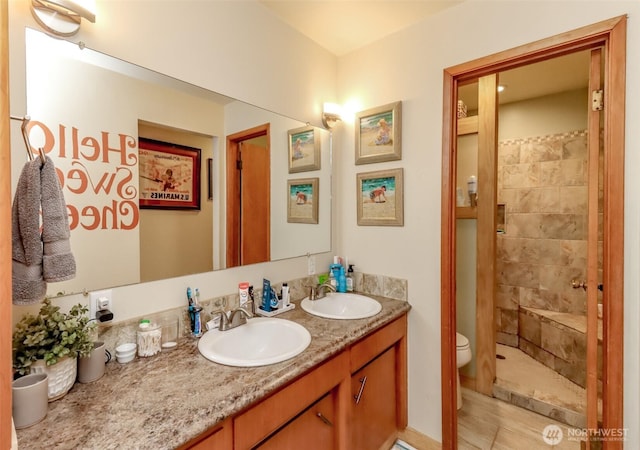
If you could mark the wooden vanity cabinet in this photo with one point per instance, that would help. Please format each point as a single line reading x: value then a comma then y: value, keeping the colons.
x: 220, y: 437
x: 355, y: 400
x: 378, y: 394
x: 313, y: 428
x: 275, y: 413
x: 373, y: 402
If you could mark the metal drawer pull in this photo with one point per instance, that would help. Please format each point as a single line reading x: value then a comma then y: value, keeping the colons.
x: 324, y: 419
x: 363, y: 381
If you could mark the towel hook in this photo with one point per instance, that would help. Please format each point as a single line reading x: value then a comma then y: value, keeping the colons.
x: 25, y: 137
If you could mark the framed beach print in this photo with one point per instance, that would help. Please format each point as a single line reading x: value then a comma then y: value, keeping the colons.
x: 378, y: 134
x: 169, y: 175
x: 380, y: 198
x: 302, y: 200
x: 304, y: 149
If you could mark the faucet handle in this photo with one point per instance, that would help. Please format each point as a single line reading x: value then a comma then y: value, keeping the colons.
x: 313, y: 292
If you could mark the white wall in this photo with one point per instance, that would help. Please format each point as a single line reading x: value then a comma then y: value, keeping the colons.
x: 408, y: 66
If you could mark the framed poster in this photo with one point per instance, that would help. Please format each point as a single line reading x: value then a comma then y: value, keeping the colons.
x: 378, y: 134
x: 380, y: 198
x: 169, y: 175
x: 304, y: 149
x: 302, y: 200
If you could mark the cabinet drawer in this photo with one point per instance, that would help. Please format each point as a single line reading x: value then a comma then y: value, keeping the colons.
x: 252, y: 426
x: 313, y: 428
x: 221, y: 438
x: 377, y: 342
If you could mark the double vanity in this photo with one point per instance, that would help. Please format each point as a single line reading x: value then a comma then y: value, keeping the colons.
x: 345, y: 389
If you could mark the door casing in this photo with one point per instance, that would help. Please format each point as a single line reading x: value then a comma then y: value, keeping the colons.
x: 611, y: 36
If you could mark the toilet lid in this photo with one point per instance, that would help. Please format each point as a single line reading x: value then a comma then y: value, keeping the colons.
x: 461, y: 341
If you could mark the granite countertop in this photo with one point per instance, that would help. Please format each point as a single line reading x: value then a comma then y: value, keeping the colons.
x: 163, y: 401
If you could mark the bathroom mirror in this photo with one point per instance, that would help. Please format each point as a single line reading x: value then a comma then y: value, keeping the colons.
x: 89, y: 110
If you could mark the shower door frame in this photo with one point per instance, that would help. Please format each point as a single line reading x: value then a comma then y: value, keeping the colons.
x: 611, y: 36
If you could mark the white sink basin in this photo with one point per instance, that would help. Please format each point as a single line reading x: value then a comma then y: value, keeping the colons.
x: 342, y: 306
x: 261, y: 341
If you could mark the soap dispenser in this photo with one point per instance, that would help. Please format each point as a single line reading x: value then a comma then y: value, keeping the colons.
x: 350, y: 278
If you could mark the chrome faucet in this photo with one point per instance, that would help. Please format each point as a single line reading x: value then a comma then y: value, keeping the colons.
x: 235, y: 318
x: 320, y: 291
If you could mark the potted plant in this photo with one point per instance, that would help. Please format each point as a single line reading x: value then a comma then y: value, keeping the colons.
x: 51, y: 342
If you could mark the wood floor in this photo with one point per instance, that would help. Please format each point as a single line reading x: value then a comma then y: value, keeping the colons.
x: 489, y: 423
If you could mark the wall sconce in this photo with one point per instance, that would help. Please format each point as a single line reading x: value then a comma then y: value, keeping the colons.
x: 62, y: 17
x: 331, y: 115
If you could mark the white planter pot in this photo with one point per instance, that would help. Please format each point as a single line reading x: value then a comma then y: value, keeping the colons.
x: 61, y: 375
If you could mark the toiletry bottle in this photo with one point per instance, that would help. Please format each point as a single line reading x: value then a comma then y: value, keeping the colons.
x: 334, y: 272
x: 243, y: 292
x: 332, y: 278
x: 285, y: 295
x: 342, y: 280
x: 350, y: 278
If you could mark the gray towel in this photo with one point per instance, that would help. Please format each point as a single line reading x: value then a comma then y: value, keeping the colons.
x: 58, y: 261
x: 28, y: 285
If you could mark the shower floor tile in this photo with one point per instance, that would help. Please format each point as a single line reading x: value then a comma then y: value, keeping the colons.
x: 523, y: 381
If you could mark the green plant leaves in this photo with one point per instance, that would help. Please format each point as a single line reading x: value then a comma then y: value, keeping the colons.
x: 51, y: 335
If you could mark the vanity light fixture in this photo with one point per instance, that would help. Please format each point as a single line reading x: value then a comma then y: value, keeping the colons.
x: 501, y: 87
x: 62, y: 17
x: 331, y: 115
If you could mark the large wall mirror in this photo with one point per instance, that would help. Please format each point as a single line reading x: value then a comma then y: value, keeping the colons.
x: 90, y: 112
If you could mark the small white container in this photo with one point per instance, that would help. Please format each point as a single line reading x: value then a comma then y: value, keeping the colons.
x: 126, y: 352
x: 149, y: 336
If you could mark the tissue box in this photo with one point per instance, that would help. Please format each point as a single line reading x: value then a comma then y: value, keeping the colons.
x: 462, y: 109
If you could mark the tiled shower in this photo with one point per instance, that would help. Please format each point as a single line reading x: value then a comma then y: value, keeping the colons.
x: 542, y: 183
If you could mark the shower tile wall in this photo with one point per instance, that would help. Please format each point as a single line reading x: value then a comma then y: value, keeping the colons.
x: 542, y: 182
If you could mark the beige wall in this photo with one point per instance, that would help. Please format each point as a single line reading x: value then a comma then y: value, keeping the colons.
x: 176, y: 243
x: 408, y: 66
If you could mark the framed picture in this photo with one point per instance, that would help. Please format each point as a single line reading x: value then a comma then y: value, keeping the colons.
x: 378, y: 134
x: 304, y: 149
x: 169, y: 175
x: 380, y: 198
x: 302, y: 200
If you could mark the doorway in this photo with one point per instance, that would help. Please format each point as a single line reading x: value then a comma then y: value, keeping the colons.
x: 248, y: 196
x: 610, y: 36
x: 542, y: 182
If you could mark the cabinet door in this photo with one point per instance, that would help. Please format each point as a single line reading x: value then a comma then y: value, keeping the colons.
x: 373, y: 390
x: 313, y: 428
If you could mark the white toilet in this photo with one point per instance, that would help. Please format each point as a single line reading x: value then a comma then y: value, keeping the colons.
x: 463, y: 356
